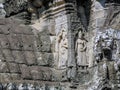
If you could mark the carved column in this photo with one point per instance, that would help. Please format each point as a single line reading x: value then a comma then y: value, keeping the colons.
x: 71, y: 52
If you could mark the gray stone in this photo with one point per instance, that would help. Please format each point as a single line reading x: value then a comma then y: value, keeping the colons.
x: 2, y: 11
x: 25, y: 71
x: 14, y: 68
x: 36, y: 73
x: 19, y: 57
x: 15, y: 76
x: 4, y: 67
x: 50, y: 52
x: 27, y: 41
x: 30, y: 57
x: 45, y: 59
x: 45, y: 40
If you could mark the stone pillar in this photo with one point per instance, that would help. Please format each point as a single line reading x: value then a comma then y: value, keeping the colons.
x: 92, y: 32
x: 71, y: 53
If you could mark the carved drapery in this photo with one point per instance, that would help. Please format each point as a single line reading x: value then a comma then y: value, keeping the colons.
x: 62, y: 49
x: 80, y: 49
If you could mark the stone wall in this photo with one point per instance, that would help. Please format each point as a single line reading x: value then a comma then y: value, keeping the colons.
x: 71, y: 46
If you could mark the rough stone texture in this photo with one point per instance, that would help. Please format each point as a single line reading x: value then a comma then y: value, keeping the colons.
x: 36, y: 73
x: 25, y: 71
x: 35, y: 57
x: 4, y: 68
x: 14, y: 68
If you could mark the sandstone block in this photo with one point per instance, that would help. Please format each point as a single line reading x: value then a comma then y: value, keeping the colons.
x: 25, y: 71
x: 14, y: 68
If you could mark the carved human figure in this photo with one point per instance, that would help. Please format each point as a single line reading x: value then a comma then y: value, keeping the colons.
x: 62, y: 49
x: 81, y: 50
x: 2, y: 11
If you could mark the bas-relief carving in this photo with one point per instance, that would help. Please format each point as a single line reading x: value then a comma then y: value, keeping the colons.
x: 81, y: 50
x: 62, y: 49
x: 2, y: 11
x: 104, y: 43
x: 105, y: 46
x: 81, y: 60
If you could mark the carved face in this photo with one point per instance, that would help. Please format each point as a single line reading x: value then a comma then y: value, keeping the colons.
x: 64, y: 35
x: 81, y: 35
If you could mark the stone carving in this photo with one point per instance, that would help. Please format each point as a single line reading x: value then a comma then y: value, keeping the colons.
x: 81, y: 50
x: 106, y: 46
x: 34, y: 5
x: 2, y: 12
x: 26, y: 58
x: 13, y: 7
x: 62, y: 49
x: 112, y: 19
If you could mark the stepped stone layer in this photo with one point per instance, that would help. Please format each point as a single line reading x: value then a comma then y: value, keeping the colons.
x: 19, y: 49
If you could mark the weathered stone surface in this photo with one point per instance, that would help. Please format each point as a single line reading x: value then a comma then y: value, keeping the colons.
x: 3, y: 22
x: 4, y: 67
x: 14, y: 68
x: 45, y: 40
x: 30, y: 58
x: 5, y: 77
x: 23, y: 30
x: 4, y: 41
x: 27, y: 41
x: 25, y: 71
x: 15, y: 76
x: 36, y: 73
x: 51, y: 52
x: 8, y: 55
x: 14, y: 41
x: 44, y: 59
x: 47, y: 73
x: 19, y: 57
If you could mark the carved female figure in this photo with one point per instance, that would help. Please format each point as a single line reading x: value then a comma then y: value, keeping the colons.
x: 62, y: 49
x: 81, y: 50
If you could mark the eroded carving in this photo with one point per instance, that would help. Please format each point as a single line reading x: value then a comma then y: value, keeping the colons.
x: 13, y: 7
x: 106, y: 46
x: 62, y: 49
x: 81, y: 50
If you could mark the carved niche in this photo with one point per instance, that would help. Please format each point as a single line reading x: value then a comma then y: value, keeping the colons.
x: 62, y: 49
x: 80, y: 50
